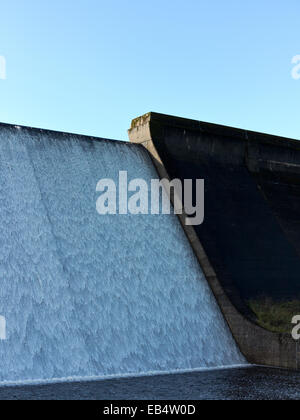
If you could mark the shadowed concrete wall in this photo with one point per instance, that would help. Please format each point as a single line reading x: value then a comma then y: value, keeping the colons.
x: 248, y: 245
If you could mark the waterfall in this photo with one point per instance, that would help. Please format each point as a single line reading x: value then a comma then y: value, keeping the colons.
x: 85, y: 295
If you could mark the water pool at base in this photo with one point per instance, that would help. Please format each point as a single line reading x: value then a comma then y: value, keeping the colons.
x: 253, y: 383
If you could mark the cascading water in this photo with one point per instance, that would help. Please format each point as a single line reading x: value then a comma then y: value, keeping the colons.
x: 87, y: 295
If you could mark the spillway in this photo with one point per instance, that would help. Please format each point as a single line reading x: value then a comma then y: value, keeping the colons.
x: 86, y: 295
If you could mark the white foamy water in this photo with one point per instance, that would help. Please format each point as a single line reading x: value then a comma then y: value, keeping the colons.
x: 85, y: 295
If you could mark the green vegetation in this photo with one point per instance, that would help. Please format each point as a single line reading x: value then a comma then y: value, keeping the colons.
x: 140, y: 120
x: 275, y: 316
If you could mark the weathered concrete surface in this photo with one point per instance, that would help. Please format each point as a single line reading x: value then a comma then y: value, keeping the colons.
x: 249, y: 244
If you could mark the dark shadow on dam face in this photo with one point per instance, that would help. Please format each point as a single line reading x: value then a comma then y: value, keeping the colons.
x: 251, y: 231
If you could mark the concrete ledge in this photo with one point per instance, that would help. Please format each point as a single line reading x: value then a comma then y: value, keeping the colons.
x: 258, y: 345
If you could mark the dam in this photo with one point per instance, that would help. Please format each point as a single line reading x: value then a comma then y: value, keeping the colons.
x: 132, y: 304
x: 248, y: 245
x: 90, y: 296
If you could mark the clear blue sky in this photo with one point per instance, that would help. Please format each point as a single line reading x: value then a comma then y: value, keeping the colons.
x: 90, y: 66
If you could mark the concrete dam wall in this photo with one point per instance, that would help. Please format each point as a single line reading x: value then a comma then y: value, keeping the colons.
x: 85, y: 295
x: 248, y: 245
